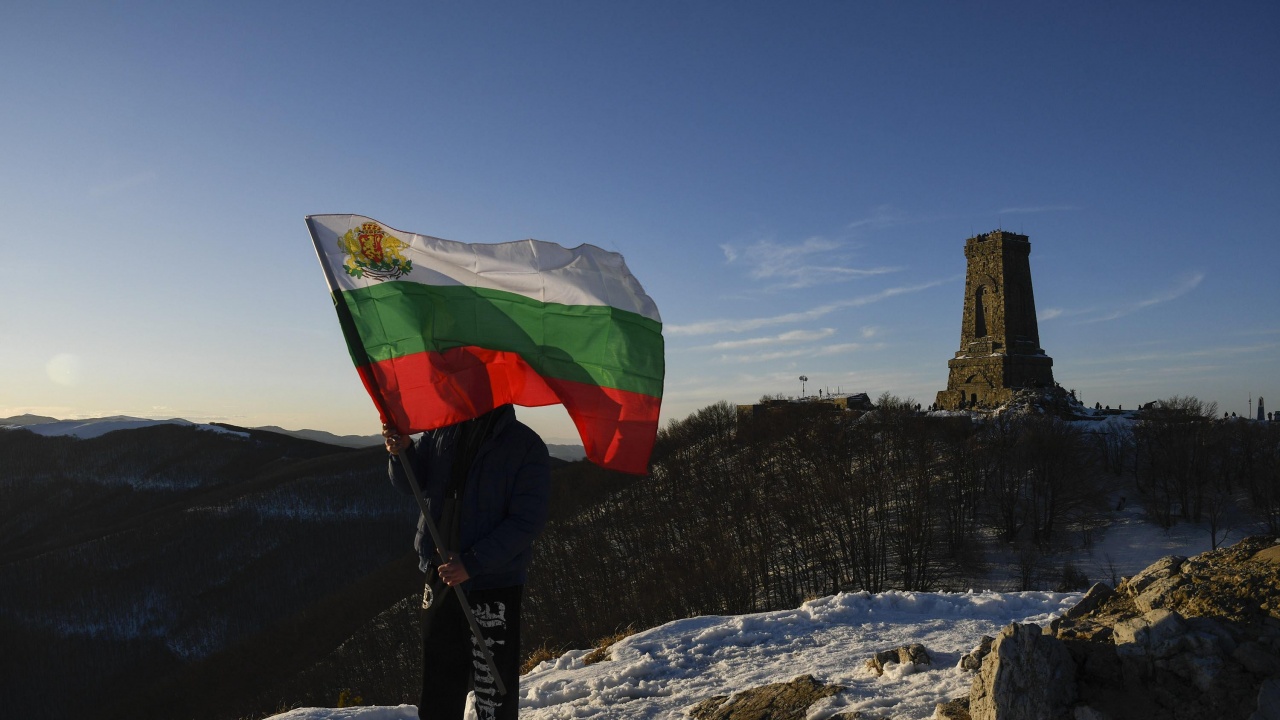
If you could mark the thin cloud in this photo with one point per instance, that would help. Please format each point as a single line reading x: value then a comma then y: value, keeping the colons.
x: 799, y: 265
x: 884, y: 216
x: 887, y: 216
x: 712, y: 327
x: 1055, y: 313
x: 794, y: 336
x: 1182, y: 288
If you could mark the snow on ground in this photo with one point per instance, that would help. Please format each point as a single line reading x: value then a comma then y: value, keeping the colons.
x: 661, y: 672
x: 96, y: 427
x: 399, y: 712
x: 1130, y: 541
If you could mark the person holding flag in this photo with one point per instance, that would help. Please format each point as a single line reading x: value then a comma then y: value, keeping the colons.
x: 446, y: 336
x: 486, y: 482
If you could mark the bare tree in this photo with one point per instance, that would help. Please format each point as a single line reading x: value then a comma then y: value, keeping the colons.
x: 1173, y: 458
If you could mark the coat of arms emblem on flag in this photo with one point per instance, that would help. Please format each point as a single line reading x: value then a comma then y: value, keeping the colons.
x: 372, y: 252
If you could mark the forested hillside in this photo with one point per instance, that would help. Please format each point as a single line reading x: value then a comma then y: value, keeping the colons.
x: 361, y: 644
x: 751, y: 515
x: 126, y: 557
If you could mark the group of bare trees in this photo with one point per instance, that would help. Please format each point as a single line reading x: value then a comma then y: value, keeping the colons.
x: 757, y: 513
x: 1189, y: 465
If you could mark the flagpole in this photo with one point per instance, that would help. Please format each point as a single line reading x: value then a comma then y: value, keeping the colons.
x: 445, y: 554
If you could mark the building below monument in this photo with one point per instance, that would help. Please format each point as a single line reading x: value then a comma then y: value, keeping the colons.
x: 1000, y: 349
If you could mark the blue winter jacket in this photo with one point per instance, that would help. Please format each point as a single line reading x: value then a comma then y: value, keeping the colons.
x: 504, y: 504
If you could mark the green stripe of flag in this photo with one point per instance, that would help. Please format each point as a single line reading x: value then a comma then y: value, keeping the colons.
x: 583, y: 343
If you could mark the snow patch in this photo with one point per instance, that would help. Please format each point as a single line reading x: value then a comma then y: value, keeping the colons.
x: 399, y: 712
x: 661, y: 672
x: 97, y: 427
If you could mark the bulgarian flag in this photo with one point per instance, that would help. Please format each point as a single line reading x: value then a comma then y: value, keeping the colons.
x: 443, y: 331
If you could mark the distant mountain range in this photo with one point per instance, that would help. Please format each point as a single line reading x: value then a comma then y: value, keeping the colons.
x: 27, y: 419
x: 354, y: 441
x: 96, y: 427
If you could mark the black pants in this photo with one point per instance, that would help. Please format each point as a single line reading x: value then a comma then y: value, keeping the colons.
x: 452, y: 664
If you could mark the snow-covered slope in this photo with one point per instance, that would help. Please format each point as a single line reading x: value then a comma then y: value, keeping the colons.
x: 399, y: 712
x: 661, y: 672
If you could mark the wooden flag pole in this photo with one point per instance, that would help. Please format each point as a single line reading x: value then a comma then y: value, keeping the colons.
x: 438, y: 542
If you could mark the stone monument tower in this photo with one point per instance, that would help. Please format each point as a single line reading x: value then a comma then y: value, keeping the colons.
x: 999, y: 337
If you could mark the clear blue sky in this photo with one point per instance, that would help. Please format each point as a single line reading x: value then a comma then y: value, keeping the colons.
x: 792, y: 182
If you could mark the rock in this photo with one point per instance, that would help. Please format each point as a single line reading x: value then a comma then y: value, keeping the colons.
x: 1157, y: 634
x: 1184, y: 639
x: 778, y: 701
x: 1202, y: 671
x: 1270, y: 555
x: 1201, y: 630
x: 913, y: 653
x: 707, y: 708
x: 1076, y: 621
x: 1158, y: 594
x: 1268, y: 701
x: 1165, y: 567
x: 1027, y: 674
x: 1092, y: 600
x: 973, y: 659
x: 1257, y: 659
x: 956, y: 709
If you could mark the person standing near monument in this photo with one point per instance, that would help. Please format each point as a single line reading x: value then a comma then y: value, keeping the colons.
x: 487, y: 485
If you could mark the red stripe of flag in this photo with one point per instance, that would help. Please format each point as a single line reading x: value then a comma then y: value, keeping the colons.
x: 428, y: 390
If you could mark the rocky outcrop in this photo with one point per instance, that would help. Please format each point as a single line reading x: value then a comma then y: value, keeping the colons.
x: 914, y: 653
x: 778, y: 701
x: 1184, y: 639
x: 1027, y: 674
x: 972, y: 660
x: 957, y: 709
